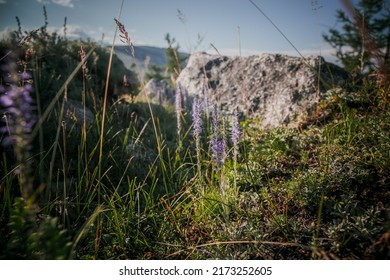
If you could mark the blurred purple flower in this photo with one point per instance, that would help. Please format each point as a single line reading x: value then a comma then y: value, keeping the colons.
x: 236, y: 131
x: 197, y: 129
x: 25, y: 76
x: 218, y: 151
x: 5, y: 100
x: 218, y: 144
x: 19, y: 113
x: 196, y: 117
x: 215, y: 120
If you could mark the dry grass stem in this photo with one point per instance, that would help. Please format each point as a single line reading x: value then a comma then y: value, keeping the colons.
x: 125, y: 38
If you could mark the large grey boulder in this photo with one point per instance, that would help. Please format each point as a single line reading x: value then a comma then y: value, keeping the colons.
x: 277, y: 88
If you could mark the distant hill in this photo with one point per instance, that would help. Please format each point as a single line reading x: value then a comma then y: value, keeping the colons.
x: 155, y: 55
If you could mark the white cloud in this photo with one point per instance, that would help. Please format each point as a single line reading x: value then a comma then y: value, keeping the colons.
x: 64, y: 3
x: 73, y: 32
x: 5, y: 33
x: 3, y: 2
x: 44, y: 2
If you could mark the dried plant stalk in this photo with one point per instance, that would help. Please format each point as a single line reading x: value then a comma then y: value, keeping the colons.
x: 125, y: 38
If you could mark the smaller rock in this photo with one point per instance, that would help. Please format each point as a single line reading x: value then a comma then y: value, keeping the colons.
x: 159, y: 91
x: 139, y: 151
x: 74, y: 113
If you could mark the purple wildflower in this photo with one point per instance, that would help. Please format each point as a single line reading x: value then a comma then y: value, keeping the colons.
x: 197, y: 129
x: 236, y: 131
x: 218, y: 144
x: 19, y: 112
x: 25, y: 76
x: 19, y: 118
x: 215, y: 120
x: 196, y: 117
x: 235, y: 137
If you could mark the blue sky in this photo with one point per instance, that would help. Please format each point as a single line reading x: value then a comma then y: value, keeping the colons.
x: 217, y: 22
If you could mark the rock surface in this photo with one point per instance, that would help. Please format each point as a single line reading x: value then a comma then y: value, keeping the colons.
x: 277, y: 88
x: 159, y: 91
x: 74, y: 114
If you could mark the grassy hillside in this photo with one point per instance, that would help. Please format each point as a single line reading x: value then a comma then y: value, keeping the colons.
x: 150, y: 182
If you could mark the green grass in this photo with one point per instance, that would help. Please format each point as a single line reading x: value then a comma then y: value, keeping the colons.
x: 318, y: 191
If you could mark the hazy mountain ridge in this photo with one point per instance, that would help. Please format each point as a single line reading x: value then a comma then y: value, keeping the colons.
x: 155, y: 55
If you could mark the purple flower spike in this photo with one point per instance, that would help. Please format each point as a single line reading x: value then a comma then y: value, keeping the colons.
x: 215, y: 120
x: 17, y: 105
x: 218, y: 144
x: 25, y: 76
x: 236, y: 131
x: 196, y: 117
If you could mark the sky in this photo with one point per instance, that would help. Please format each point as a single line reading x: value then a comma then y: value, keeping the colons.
x: 197, y: 25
